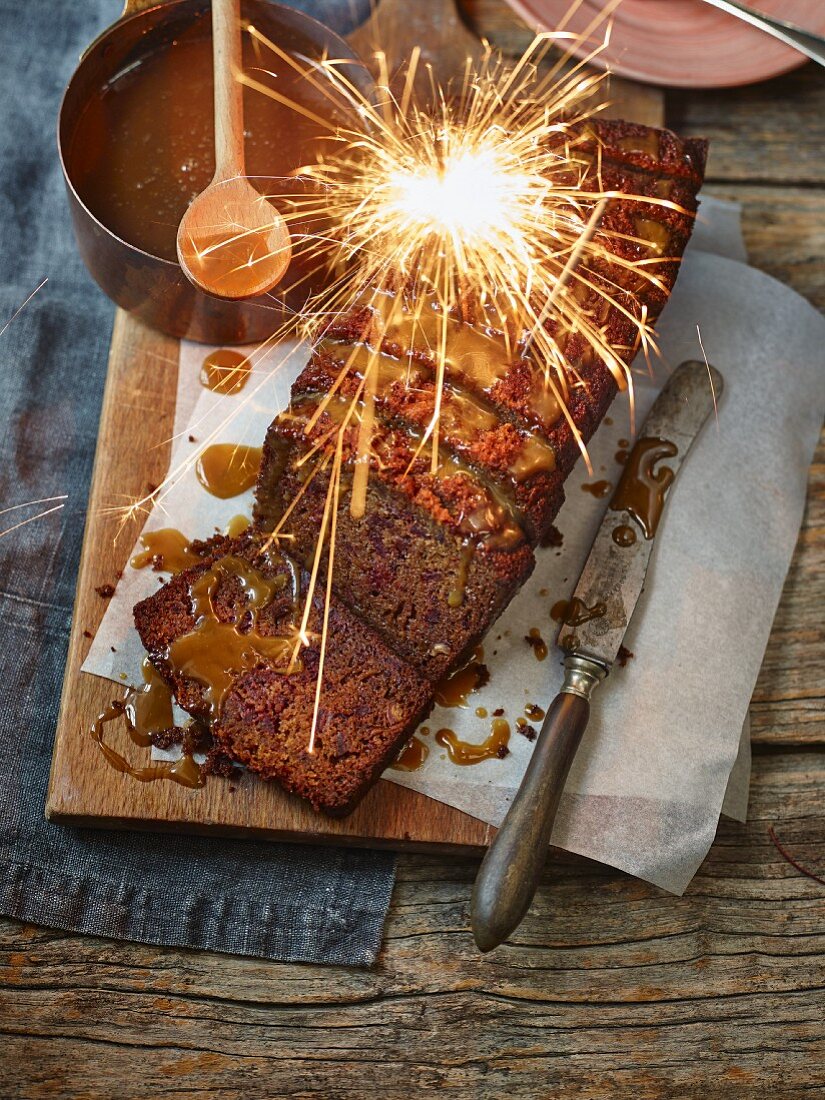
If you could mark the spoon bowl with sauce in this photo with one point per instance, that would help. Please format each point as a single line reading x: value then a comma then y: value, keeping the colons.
x: 136, y: 141
x: 231, y: 242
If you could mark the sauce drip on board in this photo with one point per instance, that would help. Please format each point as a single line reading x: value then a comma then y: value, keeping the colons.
x: 412, y: 757
x: 466, y: 753
x: 455, y: 689
x: 143, y: 147
x: 167, y: 550
x: 228, y: 469
x: 145, y: 711
x: 225, y: 371
x: 641, y: 491
x: 215, y: 652
x: 575, y: 612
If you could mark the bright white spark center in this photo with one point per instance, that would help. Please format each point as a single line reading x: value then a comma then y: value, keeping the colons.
x: 470, y: 196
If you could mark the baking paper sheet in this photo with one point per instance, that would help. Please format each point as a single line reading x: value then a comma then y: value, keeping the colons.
x: 665, y: 746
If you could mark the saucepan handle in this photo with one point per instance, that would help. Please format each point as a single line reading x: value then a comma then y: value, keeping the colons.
x: 512, y: 867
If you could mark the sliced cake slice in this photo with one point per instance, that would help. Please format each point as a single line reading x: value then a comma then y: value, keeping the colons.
x: 223, y: 634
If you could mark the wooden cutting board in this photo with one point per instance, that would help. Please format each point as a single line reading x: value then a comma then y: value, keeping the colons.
x: 132, y: 455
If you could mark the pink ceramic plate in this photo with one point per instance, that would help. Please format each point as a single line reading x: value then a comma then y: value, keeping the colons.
x: 686, y: 43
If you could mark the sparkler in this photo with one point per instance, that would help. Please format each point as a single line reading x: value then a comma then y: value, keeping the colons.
x: 483, y: 206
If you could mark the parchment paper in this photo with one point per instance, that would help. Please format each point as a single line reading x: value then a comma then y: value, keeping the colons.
x: 665, y: 746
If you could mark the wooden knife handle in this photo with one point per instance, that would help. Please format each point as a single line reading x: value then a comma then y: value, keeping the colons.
x: 511, y: 868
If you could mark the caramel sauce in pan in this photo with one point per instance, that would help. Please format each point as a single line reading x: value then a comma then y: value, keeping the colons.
x: 465, y: 752
x: 455, y: 689
x: 641, y: 491
x: 624, y: 535
x: 228, y: 469
x: 225, y: 371
x: 145, y: 711
x: 412, y: 757
x: 236, y: 526
x: 214, y: 653
x: 598, y: 489
x: 168, y: 547
x: 143, y: 147
x: 537, y: 643
x: 575, y: 612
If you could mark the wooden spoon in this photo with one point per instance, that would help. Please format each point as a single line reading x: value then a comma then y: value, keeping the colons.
x: 232, y: 242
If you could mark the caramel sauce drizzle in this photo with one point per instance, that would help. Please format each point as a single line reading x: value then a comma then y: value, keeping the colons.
x: 145, y: 711
x: 492, y: 523
x: 598, y: 489
x: 215, y: 652
x: 455, y: 597
x: 461, y: 414
x: 537, y: 643
x: 168, y: 550
x: 225, y: 371
x: 641, y: 491
x: 236, y: 526
x: 466, y: 753
x: 455, y: 689
x: 624, y: 535
x: 575, y: 612
x: 412, y: 757
x: 228, y: 469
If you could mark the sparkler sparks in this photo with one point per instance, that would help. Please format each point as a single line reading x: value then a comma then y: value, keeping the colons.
x: 483, y: 207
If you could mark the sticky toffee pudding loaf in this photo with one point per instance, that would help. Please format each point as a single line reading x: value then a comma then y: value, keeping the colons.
x: 438, y: 554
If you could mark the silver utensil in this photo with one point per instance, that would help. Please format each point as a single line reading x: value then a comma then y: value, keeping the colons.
x: 595, y: 623
x: 812, y: 45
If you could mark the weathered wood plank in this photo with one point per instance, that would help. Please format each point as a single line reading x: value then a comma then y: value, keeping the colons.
x: 771, y: 132
x: 609, y: 984
x: 784, y: 231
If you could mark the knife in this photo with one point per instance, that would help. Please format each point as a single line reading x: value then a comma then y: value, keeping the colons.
x: 596, y: 619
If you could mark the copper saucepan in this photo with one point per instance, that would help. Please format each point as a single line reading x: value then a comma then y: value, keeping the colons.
x: 147, y: 285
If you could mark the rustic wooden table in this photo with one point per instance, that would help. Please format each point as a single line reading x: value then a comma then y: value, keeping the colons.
x: 610, y: 986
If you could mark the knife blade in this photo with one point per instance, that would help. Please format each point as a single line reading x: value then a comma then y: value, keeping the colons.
x: 611, y: 582
x: 595, y: 621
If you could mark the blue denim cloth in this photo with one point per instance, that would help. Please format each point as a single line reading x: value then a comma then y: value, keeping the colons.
x: 275, y: 900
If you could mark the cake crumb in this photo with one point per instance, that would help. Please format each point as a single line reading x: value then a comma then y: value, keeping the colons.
x: 218, y: 763
x: 623, y: 656
x: 552, y: 537
x: 105, y: 591
x: 165, y: 739
x: 88, y: 634
x: 502, y: 751
x: 497, y: 713
x: 529, y: 732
